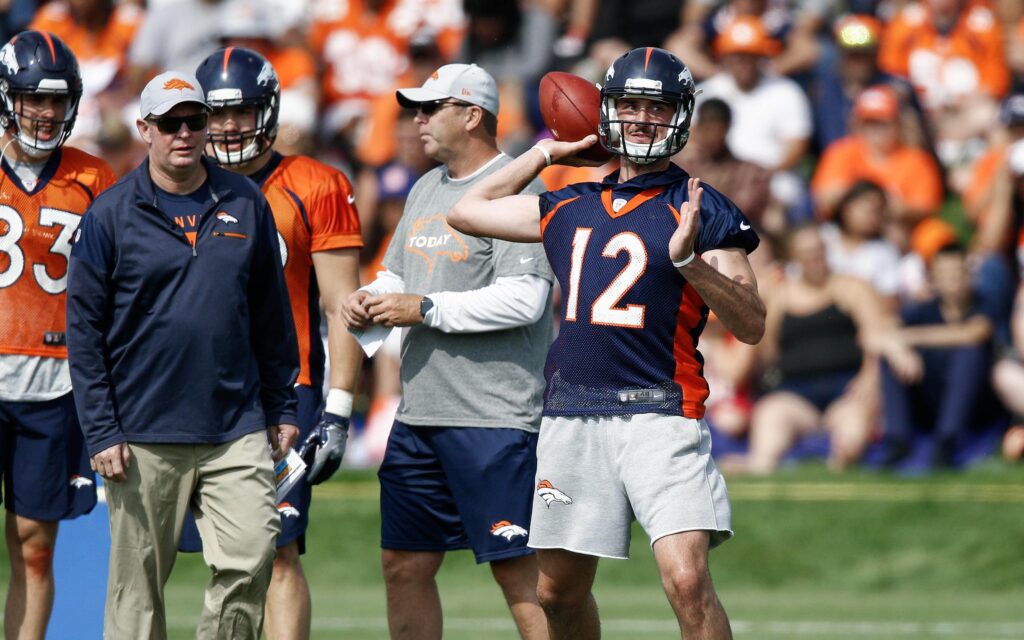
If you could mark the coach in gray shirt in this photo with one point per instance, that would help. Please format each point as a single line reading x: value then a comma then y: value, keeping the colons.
x: 460, y: 463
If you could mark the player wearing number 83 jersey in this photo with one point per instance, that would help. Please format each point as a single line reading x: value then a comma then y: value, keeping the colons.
x: 45, y: 188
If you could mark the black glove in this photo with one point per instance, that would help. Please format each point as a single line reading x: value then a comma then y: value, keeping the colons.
x: 323, y: 449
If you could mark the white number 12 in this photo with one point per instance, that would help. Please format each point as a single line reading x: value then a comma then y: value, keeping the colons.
x: 604, y: 310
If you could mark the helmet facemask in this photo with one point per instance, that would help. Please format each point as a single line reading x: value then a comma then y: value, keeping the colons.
x: 669, y: 137
x: 14, y: 115
x: 254, y: 142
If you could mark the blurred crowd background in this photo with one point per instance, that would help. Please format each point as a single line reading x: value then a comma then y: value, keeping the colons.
x: 877, y: 145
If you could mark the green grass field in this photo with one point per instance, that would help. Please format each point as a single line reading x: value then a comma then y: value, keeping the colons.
x: 863, y: 555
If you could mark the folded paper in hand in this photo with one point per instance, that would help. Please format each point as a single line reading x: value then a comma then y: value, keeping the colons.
x: 287, y: 471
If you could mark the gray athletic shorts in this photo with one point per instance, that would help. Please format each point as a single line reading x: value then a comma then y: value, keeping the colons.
x: 596, y: 474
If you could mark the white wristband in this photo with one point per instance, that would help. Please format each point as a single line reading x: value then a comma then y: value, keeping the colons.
x: 685, y: 261
x: 547, y: 156
x: 339, y: 402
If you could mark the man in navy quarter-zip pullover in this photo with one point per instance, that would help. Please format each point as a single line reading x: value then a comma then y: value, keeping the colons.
x: 183, y: 359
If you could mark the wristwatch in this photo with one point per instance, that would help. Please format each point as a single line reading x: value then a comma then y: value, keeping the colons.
x: 426, y: 304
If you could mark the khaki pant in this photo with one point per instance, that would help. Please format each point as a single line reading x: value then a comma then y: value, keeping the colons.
x: 232, y: 491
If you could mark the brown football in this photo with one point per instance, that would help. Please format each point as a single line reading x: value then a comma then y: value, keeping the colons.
x: 571, y: 108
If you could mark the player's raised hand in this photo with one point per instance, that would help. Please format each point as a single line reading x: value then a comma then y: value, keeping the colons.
x: 565, y: 152
x: 681, y: 244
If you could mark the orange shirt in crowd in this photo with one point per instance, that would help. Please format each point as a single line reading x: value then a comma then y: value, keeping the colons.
x: 968, y: 60
x: 909, y: 173
x: 100, y: 55
x: 292, y: 64
x: 983, y: 173
x: 365, y: 53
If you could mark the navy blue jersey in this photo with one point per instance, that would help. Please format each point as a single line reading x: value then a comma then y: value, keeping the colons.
x: 630, y: 321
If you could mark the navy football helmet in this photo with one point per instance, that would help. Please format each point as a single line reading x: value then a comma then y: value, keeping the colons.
x: 38, y: 63
x: 235, y: 76
x: 654, y: 74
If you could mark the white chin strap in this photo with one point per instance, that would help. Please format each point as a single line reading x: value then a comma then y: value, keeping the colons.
x: 246, y: 154
x: 645, y: 153
x: 39, y: 149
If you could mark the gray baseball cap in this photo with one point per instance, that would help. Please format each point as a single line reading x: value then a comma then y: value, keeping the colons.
x: 167, y: 90
x: 465, y: 82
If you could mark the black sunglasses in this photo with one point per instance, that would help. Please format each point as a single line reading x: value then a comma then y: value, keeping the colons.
x: 172, y: 124
x: 430, y: 108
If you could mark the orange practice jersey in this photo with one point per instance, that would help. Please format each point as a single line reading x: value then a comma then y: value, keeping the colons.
x: 968, y: 60
x: 36, y: 231
x: 315, y: 211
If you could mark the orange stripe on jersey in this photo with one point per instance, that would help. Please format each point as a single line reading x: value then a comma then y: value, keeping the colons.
x: 689, y: 372
x: 546, y: 219
x: 314, y: 209
x: 675, y: 213
x: 634, y: 202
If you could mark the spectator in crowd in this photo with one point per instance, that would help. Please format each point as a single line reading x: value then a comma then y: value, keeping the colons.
x: 792, y: 26
x: 945, y: 388
x: 952, y: 52
x: 173, y: 35
x: 875, y: 151
x: 989, y: 188
x: 46, y: 187
x: 707, y: 155
x: 854, y: 70
x: 100, y: 33
x: 363, y: 47
x: 15, y: 16
x: 514, y: 42
x: 820, y: 372
x: 771, y: 123
x: 478, y: 313
x: 620, y: 25
x: 1008, y: 374
x: 249, y: 24
x: 379, y: 140
x: 183, y: 362
x: 855, y: 244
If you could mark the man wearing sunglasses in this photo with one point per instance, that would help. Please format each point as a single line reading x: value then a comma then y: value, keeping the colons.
x: 183, y: 358
x: 459, y: 467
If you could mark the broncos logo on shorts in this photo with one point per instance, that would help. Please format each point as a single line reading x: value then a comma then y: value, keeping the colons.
x: 507, y: 530
x: 550, y: 494
x: 78, y: 481
x: 286, y: 509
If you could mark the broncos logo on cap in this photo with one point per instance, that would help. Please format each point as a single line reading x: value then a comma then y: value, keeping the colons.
x: 226, y: 217
x: 507, y: 530
x: 78, y: 481
x: 550, y: 494
x: 286, y: 509
x: 179, y: 84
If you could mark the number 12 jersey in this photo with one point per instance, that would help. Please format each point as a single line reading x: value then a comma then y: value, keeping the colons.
x: 630, y: 322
